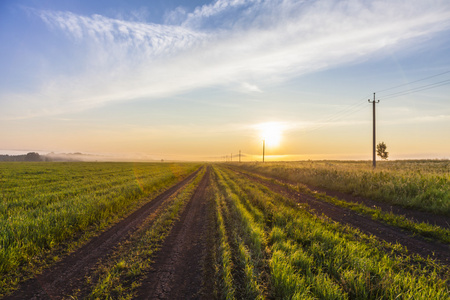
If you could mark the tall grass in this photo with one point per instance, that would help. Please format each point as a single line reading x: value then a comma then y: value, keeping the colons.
x: 45, y: 206
x: 248, y: 240
x: 420, y: 228
x: 313, y: 258
x: 423, y: 185
x: 224, y: 263
x: 119, y: 277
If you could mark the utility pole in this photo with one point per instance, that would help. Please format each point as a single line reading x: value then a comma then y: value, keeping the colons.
x: 231, y: 156
x: 374, y: 134
x: 239, y: 155
x: 264, y: 148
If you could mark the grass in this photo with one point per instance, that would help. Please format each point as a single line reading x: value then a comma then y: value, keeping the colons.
x: 49, y: 208
x: 423, y: 185
x: 224, y: 264
x: 263, y: 245
x: 119, y: 276
x: 418, y: 228
x: 247, y: 242
x: 308, y: 257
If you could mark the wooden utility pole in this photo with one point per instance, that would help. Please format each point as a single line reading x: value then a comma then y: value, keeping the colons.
x: 264, y: 148
x: 374, y: 133
x: 231, y: 156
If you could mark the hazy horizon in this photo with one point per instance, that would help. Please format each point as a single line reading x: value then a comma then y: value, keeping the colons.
x: 245, y: 157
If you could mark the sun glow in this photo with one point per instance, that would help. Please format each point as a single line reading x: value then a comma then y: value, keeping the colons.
x: 271, y: 133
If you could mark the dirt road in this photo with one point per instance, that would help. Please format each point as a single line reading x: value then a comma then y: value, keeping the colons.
x: 390, y: 234
x: 177, y: 270
x: 68, y: 275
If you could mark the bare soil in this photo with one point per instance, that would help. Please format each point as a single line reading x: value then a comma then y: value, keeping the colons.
x: 412, y: 214
x: 177, y: 270
x: 391, y: 234
x: 415, y: 215
x: 68, y: 275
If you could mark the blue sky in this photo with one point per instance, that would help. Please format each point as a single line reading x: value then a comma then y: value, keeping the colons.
x: 196, y: 79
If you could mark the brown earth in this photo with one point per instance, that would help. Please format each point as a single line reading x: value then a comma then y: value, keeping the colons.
x: 412, y: 214
x: 391, y: 234
x: 177, y: 271
x: 68, y: 275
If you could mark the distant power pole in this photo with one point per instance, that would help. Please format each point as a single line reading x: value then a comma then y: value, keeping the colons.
x: 231, y: 156
x: 264, y: 148
x: 374, y: 134
x: 239, y: 155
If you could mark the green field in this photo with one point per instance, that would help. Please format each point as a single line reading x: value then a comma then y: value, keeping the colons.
x: 120, y: 274
x: 423, y: 185
x: 52, y: 207
x: 262, y: 244
x: 271, y: 248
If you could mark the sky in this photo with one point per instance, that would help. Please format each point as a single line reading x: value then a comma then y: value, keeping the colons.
x: 203, y: 80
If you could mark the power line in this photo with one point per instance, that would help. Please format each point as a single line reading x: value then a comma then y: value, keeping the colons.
x: 339, y: 115
x: 417, y: 89
x: 352, y: 109
x: 408, y: 83
x: 359, y: 105
x: 342, y: 112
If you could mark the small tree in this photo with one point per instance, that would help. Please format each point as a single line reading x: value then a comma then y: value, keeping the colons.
x: 32, y: 156
x: 381, y: 150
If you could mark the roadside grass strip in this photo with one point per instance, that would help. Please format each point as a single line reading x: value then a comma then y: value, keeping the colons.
x: 425, y: 230
x: 248, y: 243
x: 224, y: 279
x: 311, y: 257
x: 50, y: 209
x: 119, y: 276
x: 423, y: 185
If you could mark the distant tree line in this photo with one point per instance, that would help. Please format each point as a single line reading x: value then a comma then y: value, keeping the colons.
x: 34, y: 156
x: 30, y: 156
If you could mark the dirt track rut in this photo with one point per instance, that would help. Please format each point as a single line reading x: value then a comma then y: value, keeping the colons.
x: 382, y: 231
x: 177, y: 270
x: 68, y: 275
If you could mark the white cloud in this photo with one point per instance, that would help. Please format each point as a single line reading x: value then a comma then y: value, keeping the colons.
x: 266, y: 41
x: 248, y: 87
x: 202, y: 13
x: 124, y: 37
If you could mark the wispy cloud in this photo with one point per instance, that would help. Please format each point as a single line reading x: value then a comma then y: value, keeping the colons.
x: 123, y: 39
x: 220, y: 8
x: 252, y: 88
x: 264, y: 42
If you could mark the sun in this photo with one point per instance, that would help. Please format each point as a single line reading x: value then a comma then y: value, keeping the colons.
x: 271, y: 133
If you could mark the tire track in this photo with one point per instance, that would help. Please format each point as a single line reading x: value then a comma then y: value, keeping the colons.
x: 391, y: 234
x: 177, y: 271
x: 67, y: 275
x: 412, y: 214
